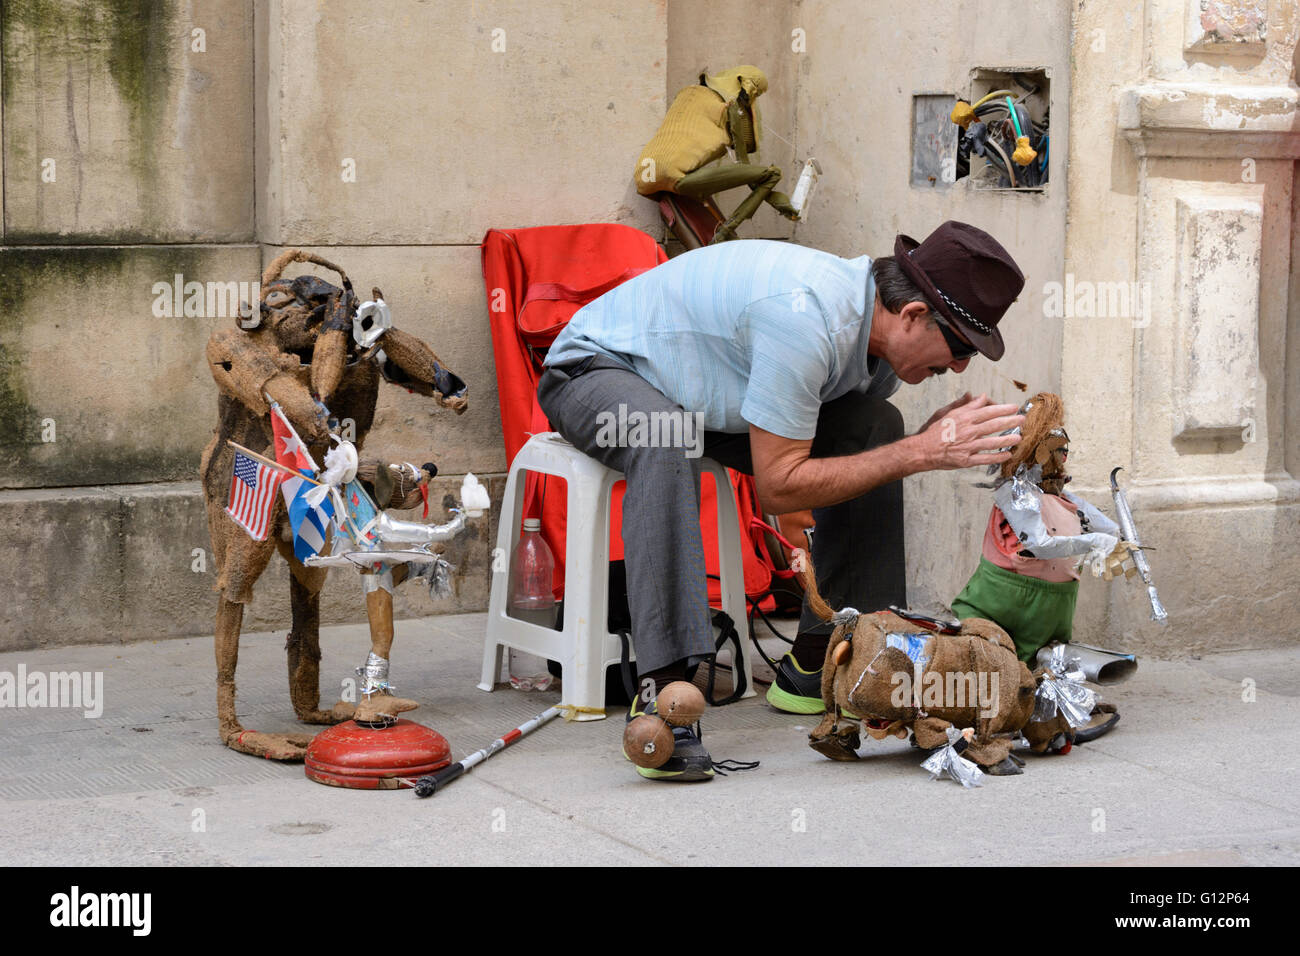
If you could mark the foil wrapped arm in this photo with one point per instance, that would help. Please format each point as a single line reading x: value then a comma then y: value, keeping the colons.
x: 1094, y: 518
x: 1021, y: 505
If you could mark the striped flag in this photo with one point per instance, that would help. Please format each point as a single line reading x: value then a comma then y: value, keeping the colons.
x: 252, y: 495
x: 310, y: 508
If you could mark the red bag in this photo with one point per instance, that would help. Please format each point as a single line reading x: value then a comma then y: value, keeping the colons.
x: 535, y: 280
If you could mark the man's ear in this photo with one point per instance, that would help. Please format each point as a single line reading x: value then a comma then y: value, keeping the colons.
x: 912, y: 313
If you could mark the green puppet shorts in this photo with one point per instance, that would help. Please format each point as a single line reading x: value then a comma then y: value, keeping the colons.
x: 1032, y: 611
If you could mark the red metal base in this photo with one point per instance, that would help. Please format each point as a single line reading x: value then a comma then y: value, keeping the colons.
x: 349, y: 755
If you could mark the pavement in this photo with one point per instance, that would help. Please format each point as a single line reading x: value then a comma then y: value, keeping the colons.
x: 1201, y: 770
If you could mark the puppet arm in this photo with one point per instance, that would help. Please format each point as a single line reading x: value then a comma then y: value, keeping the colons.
x: 1026, y: 520
x: 1094, y: 518
x: 410, y: 363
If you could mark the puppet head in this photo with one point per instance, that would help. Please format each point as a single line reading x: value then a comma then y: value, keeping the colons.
x: 324, y: 327
x: 1043, y: 442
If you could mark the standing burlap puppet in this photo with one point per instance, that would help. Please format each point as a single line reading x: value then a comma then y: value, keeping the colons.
x: 301, y: 350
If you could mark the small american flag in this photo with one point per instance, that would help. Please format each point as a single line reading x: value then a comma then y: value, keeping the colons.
x: 252, y: 495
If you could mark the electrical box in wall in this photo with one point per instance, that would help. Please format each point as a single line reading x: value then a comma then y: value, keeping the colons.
x: 1004, y: 137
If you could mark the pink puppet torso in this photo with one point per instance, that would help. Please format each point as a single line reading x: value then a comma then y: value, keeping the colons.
x: 1001, y: 544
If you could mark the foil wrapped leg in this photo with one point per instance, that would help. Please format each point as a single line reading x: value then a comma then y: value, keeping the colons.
x: 374, y: 675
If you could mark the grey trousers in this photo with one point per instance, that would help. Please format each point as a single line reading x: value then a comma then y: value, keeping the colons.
x: 857, y: 547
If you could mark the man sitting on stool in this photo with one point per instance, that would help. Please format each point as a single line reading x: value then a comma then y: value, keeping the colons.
x: 789, y: 354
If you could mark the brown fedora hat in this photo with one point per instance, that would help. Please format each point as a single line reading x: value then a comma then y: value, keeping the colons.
x: 968, y: 276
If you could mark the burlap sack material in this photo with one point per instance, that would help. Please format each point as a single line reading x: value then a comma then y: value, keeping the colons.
x: 968, y: 680
x: 298, y: 342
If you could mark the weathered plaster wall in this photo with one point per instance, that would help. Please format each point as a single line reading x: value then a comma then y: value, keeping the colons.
x: 1194, y: 106
x: 843, y: 76
x: 388, y: 136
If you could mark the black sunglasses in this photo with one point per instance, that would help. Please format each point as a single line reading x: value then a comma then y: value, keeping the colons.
x: 959, y: 349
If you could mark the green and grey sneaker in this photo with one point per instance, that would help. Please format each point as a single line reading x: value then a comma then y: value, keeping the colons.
x: 795, y: 690
x: 689, y: 762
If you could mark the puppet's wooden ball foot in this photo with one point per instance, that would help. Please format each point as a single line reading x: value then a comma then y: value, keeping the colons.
x: 287, y: 747
x: 370, y: 758
x: 648, y: 741
x: 680, y: 703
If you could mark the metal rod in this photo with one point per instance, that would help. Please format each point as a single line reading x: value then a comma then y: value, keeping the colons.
x: 428, y: 785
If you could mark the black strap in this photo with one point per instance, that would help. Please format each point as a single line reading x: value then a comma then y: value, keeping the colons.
x: 753, y: 635
x: 722, y: 620
x: 625, y: 665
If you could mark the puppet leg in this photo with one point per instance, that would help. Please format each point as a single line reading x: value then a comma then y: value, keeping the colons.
x: 761, y: 180
x: 378, y: 703
x: 303, y: 645
x: 242, y: 562
x: 230, y: 615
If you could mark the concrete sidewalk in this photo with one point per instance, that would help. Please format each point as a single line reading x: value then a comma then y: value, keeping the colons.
x: 1194, y: 774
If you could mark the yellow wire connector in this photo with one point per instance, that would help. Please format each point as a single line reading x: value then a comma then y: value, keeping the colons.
x: 1024, y: 154
x: 963, y: 114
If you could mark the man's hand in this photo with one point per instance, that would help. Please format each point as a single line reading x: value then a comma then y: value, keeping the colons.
x: 941, y: 413
x: 963, y: 433
x: 958, y: 435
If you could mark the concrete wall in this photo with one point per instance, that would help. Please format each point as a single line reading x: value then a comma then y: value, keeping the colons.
x: 842, y: 78
x: 1194, y: 111
x: 388, y: 136
x: 146, y: 141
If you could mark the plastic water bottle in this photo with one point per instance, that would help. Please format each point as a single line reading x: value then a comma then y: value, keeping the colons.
x: 532, y: 599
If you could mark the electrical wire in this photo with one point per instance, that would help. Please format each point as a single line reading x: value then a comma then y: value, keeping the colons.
x: 1007, y: 162
x: 985, y: 99
x: 1015, y: 117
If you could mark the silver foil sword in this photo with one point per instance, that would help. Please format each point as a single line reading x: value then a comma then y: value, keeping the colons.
x: 1124, y: 516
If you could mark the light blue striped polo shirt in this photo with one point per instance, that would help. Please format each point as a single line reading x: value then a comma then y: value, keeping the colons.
x: 747, y: 332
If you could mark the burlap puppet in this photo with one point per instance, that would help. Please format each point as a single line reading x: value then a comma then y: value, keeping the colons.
x: 703, y: 122
x: 1038, y: 536
x: 890, y: 676
x: 301, y: 348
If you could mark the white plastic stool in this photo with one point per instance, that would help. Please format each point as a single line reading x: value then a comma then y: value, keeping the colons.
x: 585, y: 647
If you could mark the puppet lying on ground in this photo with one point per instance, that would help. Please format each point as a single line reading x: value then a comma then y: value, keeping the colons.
x: 1037, y: 538
x: 894, y: 675
x: 704, y: 121
x: 304, y: 354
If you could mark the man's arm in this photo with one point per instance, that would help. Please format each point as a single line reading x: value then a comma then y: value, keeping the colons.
x: 964, y: 436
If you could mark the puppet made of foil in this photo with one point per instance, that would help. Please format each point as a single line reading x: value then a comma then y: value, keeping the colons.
x: 1038, y: 538
x: 310, y: 352
x: 718, y: 114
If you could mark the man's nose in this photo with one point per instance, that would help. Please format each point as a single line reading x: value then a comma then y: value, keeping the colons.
x: 959, y: 366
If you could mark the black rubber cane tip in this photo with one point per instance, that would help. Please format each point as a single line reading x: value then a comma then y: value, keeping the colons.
x: 425, y: 786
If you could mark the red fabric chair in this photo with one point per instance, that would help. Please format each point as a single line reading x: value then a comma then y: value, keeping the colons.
x: 535, y: 279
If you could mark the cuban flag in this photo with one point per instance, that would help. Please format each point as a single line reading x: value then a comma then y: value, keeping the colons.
x: 310, y: 509
x: 252, y: 495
